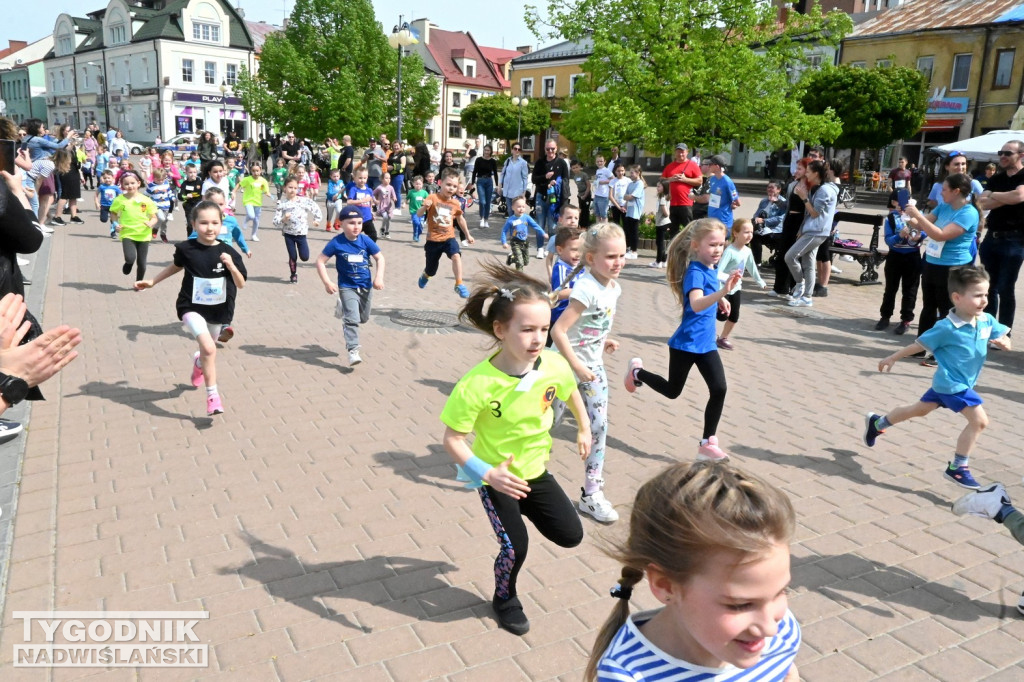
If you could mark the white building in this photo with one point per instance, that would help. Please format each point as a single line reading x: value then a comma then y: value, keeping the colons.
x: 152, y: 68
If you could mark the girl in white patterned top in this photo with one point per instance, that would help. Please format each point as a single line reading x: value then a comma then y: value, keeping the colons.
x: 292, y: 216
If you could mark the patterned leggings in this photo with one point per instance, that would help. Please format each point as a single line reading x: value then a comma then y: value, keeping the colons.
x: 595, y: 397
x: 551, y: 512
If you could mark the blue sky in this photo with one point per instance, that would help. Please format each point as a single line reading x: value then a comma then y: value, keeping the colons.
x: 499, y: 25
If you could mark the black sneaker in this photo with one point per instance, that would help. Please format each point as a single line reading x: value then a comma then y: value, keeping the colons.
x: 126, y: 268
x: 9, y: 428
x: 929, y: 361
x: 510, y: 615
x: 820, y: 291
x: 901, y: 328
x: 882, y: 324
x: 871, y: 432
x: 77, y: 221
x: 58, y: 221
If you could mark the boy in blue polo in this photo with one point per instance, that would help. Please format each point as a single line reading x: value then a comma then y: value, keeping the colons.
x: 959, y: 343
x: 352, y: 251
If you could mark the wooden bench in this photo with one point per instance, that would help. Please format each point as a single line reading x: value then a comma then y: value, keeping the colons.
x: 868, y: 256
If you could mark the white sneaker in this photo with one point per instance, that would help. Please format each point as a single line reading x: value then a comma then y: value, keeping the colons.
x: 465, y: 242
x: 23, y: 261
x: 170, y: 217
x: 836, y: 271
x: 802, y: 302
x: 353, y: 357
x: 397, y: 211
x: 986, y: 503
x: 540, y: 253
x: 254, y: 238
x: 599, y: 507
x: 46, y: 229
x: 483, y: 223
x: 487, y: 223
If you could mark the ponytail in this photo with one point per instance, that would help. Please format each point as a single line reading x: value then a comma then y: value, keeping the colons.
x: 622, y: 590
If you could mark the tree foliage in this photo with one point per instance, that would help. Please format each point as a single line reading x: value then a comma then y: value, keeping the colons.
x: 332, y: 72
x: 876, y: 106
x: 704, y: 71
x: 498, y: 118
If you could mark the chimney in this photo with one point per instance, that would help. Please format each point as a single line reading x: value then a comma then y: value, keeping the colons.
x: 422, y: 26
x: 241, y: 12
x: 525, y: 49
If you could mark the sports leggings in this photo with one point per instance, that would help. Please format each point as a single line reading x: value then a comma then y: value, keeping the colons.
x: 551, y: 512
x: 298, y: 249
x: 679, y: 363
x: 132, y: 250
x: 595, y: 397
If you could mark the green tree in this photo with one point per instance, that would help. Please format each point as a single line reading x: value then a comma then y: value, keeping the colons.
x: 498, y: 118
x: 702, y: 71
x: 332, y: 72
x: 876, y: 106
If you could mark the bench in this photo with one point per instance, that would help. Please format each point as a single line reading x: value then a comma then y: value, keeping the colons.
x: 868, y: 256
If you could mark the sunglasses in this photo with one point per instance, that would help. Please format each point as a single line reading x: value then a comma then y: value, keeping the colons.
x: 1003, y: 152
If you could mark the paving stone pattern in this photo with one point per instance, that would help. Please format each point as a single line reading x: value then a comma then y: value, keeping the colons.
x: 318, y: 521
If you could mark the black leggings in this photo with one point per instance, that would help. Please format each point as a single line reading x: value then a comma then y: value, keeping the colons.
x: 935, y: 298
x: 551, y: 512
x: 298, y: 249
x: 631, y: 226
x: 679, y: 363
x: 133, y: 250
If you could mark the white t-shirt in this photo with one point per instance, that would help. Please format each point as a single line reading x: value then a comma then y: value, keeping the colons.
x: 602, y: 174
x: 588, y: 335
x: 619, y: 187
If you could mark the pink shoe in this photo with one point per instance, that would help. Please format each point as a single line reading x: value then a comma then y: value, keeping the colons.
x: 710, y: 451
x: 197, y: 371
x: 213, y: 405
x: 630, y: 380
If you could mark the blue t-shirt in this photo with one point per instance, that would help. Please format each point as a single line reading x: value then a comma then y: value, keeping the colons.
x: 102, y: 161
x: 355, y: 193
x: 352, y: 258
x: 160, y: 193
x: 519, y: 228
x: 334, y: 189
x: 634, y: 209
x: 559, y: 272
x: 954, y: 251
x: 960, y: 348
x: 722, y: 191
x: 107, y: 194
x: 696, y: 333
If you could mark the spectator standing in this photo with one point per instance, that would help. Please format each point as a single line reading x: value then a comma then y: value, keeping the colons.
x: 515, y: 175
x: 374, y: 160
x: 1002, y: 252
x: 899, y: 177
x: 547, y: 173
x: 722, y: 196
x: 683, y: 175
x: 485, y: 177
x: 435, y: 157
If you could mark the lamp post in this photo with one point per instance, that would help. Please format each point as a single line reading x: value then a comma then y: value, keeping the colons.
x: 519, y: 103
x: 400, y: 38
x: 223, y: 102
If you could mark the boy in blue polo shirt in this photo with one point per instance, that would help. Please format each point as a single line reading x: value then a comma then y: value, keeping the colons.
x: 352, y: 251
x: 959, y: 343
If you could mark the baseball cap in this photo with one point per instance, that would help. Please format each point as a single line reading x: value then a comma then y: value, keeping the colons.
x: 717, y: 160
x: 682, y: 145
x: 349, y: 212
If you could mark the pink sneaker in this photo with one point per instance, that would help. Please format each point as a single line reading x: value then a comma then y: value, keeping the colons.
x: 213, y: 405
x: 197, y: 371
x: 711, y: 451
x: 630, y: 380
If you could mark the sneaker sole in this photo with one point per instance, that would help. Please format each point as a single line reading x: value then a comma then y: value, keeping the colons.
x: 594, y: 515
x: 709, y: 458
x: 226, y: 335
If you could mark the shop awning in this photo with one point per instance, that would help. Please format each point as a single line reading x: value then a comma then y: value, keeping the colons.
x: 942, y: 123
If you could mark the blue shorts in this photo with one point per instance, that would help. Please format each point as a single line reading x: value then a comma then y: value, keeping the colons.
x: 434, y: 251
x: 953, y: 401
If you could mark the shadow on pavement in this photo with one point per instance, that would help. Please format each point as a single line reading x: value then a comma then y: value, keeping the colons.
x: 444, y: 387
x: 405, y: 585
x: 309, y: 354
x: 435, y: 468
x: 168, y: 329
x: 94, y: 286
x: 137, y: 398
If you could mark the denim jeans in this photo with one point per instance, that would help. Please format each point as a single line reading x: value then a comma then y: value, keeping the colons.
x: 397, y: 181
x: 485, y: 192
x: 252, y: 215
x: 547, y: 222
x: 1002, y: 255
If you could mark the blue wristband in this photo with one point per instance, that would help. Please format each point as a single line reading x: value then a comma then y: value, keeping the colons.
x: 476, y: 467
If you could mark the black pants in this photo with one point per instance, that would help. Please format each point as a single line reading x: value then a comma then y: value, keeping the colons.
x: 585, y: 219
x: 298, y: 249
x: 934, y: 295
x: 901, y: 270
x: 370, y: 230
x: 136, y: 250
x: 679, y: 364
x: 551, y: 512
x: 769, y: 239
x: 784, y: 281
x: 631, y: 226
x: 615, y: 215
x: 735, y: 300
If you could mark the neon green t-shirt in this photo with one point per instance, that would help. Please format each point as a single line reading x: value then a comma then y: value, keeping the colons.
x: 132, y: 215
x: 253, y: 190
x: 507, y: 420
x: 416, y: 198
x: 279, y: 175
x: 335, y: 156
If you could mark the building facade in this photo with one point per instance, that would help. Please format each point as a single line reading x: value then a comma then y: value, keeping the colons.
x: 23, y: 79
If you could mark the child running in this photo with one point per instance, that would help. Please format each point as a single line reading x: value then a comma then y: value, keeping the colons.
x: 360, y: 195
x: 581, y: 336
x: 217, y: 176
x: 207, y: 297
x: 568, y: 216
x: 352, y: 252
x: 960, y: 344
x: 230, y: 233
x: 106, y: 192
x: 292, y: 216
x: 334, y: 193
x: 737, y: 257
x: 253, y: 187
x: 442, y: 212
x: 279, y: 175
x: 135, y: 214
x: 190, y: 193
x: 506, y: 401
x: 415, y: 198
x: 713, y: 542
x: 564, y: 273
x: 517, y: 230
x: 161, y: 192
x: 384, y: 196
x: 695, y: 251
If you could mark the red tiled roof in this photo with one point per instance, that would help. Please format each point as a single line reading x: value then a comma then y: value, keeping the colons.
x: 259, y: 32
x: 499, y: 57
x: 924, y: 15
x: 443, y: 43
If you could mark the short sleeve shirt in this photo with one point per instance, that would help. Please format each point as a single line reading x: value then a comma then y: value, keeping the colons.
x: 960, y: 348
x: 441, y: 218
x: 900, y: 178
x: 253, y: 190
x: 133, y: 214
x: 588, y: 334
x: 559, y: 272
x: 602, y: 182
x: 207, y: 287
x: 679, y: 192
x: 1006, y: 217
x: 510, y: 415
x: 722, y: 194
x: 696, y: 332
x: 360, y: 193
x: 635, y: 207
x: 352, y: 259
x: 956, y: 251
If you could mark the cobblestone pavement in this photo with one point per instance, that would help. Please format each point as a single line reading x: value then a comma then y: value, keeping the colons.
x: 318, y: 522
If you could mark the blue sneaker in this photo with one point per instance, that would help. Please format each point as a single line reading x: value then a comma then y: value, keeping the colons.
x: 461, y: 290
x: 961, y: 476
x: 423, y: 281
x: 871, y: 431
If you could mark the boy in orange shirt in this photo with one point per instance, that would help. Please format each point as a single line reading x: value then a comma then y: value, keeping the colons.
x: 442, y: 211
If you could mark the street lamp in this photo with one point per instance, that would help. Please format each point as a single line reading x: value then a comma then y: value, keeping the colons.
x: 519, y: 103
x: 223, y: 102
x: 400, y: 38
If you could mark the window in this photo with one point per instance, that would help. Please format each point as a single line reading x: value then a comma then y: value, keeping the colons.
x: 65, y: 45
x: 470, y: 70
x: 85, y: 77
x: 473, y: 98
x: 1004, y: 68
x: 925, y: 65
x: 117, y: 34
x: 884, y: 63
x: 231, y: 74
x: 187, y: 67
x: 859, y: 65
x: 210, y: 73
x: 814, y: 61
x: 208, y: 33
x: 573, y: 83
x: 549, y: 87
x: 145, y: 69
x: 63, y: 82
x: 526, y: 88
x: 455, y: 129
x: 456, y: 99
x: 961, y: 72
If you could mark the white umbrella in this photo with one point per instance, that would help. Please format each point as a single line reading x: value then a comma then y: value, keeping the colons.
x: 981, y: 148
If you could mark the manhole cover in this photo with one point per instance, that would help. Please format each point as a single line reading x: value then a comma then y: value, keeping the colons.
x: 421, y: 321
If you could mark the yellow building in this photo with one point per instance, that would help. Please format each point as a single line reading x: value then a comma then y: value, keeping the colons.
x: 968, y: 51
